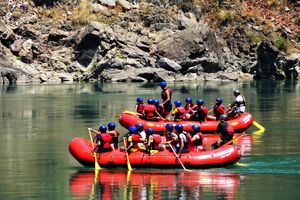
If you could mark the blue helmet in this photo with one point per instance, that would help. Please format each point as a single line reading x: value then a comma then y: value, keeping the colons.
x: 200, y: 102
x: 132, y: 129
x: 139, y: 99
x: 177, y: 103
x: 111, y: 126
x: 223, y: 117
x: 196, y: 127
x: 179, y: 127
x: 163, y: 84
x: 139, y: 126
x: 156, y: 102
x: 102, y: 129
x: 169, y: 127
x: 219, y: 100
x: 149, y: 131
x: 189, y: 100
x: 150, y: 101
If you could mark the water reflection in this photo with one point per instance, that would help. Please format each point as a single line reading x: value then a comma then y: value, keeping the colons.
x: 150, y: 184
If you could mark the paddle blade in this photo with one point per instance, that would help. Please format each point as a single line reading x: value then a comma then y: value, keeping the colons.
x: 260, y: 127
x: 97, y: 166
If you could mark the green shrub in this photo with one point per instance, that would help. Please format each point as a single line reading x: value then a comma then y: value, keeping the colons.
x: 254, y: 37
x: 280, y: 42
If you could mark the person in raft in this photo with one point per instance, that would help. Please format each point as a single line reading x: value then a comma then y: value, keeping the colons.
x: 103, y: 140
x: 238, y: 106
x: 200, y: 113
x: 179, y: 111
x: 171, y: 137
x: 143, y: 136
x: 166, y: 96
x: 114, y: 133
x: 182, y: 142
x: 132, y: 139
x: 139, y: 106
x: 150, y: 111
x: 189, y: 107
x: 225, y: 130
x: 159, y: 107
x: 154, y: 141
x: 218, y: 108
x: 196, y: 139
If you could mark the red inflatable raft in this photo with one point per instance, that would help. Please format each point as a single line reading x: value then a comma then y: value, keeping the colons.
x: 81, y: 150
x: 239, y: 124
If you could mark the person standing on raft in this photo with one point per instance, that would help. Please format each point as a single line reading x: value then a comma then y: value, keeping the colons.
x: 166, y: 96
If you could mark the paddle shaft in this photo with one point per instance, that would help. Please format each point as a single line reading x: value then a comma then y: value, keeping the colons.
x: 230, y: 141
x: 178, y: 158
x: 127, y: 157
x: 97, y: 166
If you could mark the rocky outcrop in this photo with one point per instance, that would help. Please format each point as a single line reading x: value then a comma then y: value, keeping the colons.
x: 141, y: 42
x: 272, y: 65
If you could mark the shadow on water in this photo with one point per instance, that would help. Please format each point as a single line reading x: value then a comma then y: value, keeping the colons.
x: 153, y: 184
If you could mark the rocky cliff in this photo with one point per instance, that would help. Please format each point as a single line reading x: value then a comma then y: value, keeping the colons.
x: 144, y: 41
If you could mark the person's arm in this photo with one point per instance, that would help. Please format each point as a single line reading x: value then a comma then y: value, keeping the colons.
x: 129, y: 141
x: 159, y: 115
x: 135, y: 108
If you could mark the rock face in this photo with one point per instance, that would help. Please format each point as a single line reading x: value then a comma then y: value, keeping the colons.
x: 124, y: 40
x: 272, y: 65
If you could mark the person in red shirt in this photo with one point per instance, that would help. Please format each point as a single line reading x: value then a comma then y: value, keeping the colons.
x: 139, y: 106
x: 150, y: 111
x: 219, y: 108
x: 103, y: 140
x: 200, y: 113
x: 114, y: 134
x: 189, y: 107
x: 196, y: 139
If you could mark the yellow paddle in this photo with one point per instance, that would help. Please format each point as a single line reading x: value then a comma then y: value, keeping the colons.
x: 97, y: 166
x: 185, y: 169
x: 127, y: 157
x: 260, y: 127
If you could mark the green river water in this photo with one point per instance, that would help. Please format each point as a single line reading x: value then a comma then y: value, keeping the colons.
x: 37, y: 122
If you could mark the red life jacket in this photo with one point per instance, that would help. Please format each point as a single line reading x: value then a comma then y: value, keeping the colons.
x: 180, y: 113
x: 106, y: 139
x: 189, y: 108
x: 149, y: 111
x: 136, y: 138
x: 140, y: 107
x: 156, y: 141
x: 219, y: 110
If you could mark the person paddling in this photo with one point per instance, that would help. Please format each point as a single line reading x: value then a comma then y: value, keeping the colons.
x: 196, y: 139
x: 201, y: 111
x: 225, y: 130
x: 139, y: 106
x: 150, y: 111
x: 238, y: 106
x: 153, y: 141
x: 182, y: 144
x: 114, y: 133
x: 166, y: 96
x: 132, y: 139
x: 219, y: 108
x: 103, y: 140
